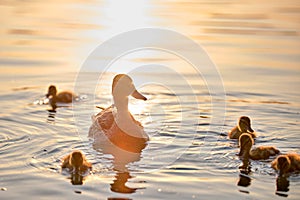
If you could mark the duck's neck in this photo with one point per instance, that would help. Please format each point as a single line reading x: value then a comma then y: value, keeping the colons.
x: 245, y: 152
x: 53, y: 101
x: 121, y: 104
x: 125, y: 121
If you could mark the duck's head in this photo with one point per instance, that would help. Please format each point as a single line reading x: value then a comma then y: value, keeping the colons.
x: 51, y: 91
x: 244, y: 125
x: 283, y: 164
x: 76, y: 159
x: 123, y: 87
x: 245, y: 141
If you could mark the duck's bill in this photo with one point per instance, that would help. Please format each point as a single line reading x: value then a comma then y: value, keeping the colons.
x: 47, y: 95
x: 138, y: 95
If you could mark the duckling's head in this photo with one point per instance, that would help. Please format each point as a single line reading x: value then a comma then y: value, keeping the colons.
x: 76, y: 159
x: 51, y: 91
x: 245, y: 142
x: 244, y: 125
x: 283, y: 164
x: 123, y: 87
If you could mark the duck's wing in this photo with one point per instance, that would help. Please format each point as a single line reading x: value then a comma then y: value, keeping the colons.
x: 104, y: 119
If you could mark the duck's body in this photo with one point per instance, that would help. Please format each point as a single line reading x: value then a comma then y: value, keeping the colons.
x: 65, y: 97
x: 259, y: 153
x: 76, y: 162
x: 61, y: 97
x: 287, y: 163
x: 244, y: 126
x: 115, y: 123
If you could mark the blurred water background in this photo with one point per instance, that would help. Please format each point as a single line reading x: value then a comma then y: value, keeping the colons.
x: 254, y: 44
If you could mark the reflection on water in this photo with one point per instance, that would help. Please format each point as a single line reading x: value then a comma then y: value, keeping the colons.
x: 244, y: 180
x: 76, y: 178
x: 119, y: 183
x: 282, y: 186
x: 121, y: 160
x: 255, y: 45
x: 51, y: 116
x: 245, y: 171
x: 282, y: 182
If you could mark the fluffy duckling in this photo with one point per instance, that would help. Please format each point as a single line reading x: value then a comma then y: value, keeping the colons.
x: 76, y: 162
x: 287, y: 163
x: 244, y: 126
x: 62, y: 97
x: 264, y: 152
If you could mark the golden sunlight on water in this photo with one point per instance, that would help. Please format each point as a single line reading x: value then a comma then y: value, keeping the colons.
x: 254, y: 44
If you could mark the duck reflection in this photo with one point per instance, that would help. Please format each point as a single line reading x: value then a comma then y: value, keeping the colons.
x: 121, y: 159
x: 119, y: 183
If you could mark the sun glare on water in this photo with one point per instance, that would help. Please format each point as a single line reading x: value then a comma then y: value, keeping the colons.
x: 124, y: 16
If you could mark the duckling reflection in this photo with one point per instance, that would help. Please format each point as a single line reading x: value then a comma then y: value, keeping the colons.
x: 77, y: 178
x: 51, y: 116
x: 245, y: 170
x: 77, y: 166
x: 244, y: 180
x: 243, y: 126
x: 282, y: 185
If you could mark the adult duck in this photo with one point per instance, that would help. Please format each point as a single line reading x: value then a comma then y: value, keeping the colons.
x: 287, y: 163
x: 115, y: 123
x: 61, y: 97
x: 243, y: 126
x: 259, y: 153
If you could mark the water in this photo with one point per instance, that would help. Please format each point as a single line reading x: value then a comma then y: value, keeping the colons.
x: 254, y: 44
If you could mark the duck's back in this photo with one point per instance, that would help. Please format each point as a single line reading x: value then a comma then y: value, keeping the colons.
x: 105, y: 119
x: 65, y: 97
x: 234, y: 133
x: 264, y: 152
x: 295, y: 161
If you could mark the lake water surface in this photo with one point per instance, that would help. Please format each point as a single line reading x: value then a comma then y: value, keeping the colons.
x: 255, y: 46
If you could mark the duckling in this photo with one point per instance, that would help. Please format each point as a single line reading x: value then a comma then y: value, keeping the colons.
x: 76, y: 162
x: 286, y: 163
x: 62, y: 97
x: 244, y: 126
x: 264, y: 152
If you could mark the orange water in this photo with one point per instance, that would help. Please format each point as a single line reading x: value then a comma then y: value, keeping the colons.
x: 254, y: 44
